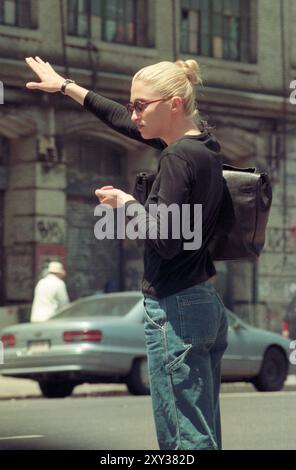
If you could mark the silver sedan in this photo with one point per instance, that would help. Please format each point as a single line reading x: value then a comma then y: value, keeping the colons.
x: 100, y: 339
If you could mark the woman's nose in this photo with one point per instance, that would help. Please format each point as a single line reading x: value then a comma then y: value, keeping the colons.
x: 134, y: 116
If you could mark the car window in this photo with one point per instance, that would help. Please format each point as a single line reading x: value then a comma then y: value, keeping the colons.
x: 109, y: 305
x: 137, y: 312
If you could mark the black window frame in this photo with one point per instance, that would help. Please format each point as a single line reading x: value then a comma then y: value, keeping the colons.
x: 73, y: 10
x: 142, y: 36
x: 242, y: 14
x: 27, y: 21
x: 131, y: 20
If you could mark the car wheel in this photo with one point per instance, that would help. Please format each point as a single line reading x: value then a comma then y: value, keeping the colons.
x: 52, y: 389
x: 137, y: 381
x: 273, y: 371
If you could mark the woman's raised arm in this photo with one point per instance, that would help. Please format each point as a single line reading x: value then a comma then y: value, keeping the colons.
x: 51, y: 81
x: 113, y: 114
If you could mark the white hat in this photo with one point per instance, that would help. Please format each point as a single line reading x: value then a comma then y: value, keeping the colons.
x: 56, y: 267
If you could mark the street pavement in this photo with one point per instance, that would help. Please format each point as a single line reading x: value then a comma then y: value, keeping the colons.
x: 12, y: 388
x: 107, y: 417
x: 250, y: 421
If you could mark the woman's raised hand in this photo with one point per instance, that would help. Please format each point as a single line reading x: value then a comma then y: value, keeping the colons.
x: 51, y: 81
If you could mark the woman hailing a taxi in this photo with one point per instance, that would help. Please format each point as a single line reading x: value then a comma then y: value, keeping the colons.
x: 185, y: 320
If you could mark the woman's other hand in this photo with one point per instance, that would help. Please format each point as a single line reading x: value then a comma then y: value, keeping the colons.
x: 113, y: 197
x: 51, y: 81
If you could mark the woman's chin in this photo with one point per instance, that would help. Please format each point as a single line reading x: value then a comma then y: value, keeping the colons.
x: 145, y: 133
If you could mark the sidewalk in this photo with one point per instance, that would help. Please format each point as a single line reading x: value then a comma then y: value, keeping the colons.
x: 11, y: 388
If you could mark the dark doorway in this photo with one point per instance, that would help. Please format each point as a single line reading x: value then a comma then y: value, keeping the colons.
x: 91, y: 264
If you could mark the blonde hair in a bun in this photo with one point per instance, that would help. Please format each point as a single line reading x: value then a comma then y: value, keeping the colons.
x: 173, y: 79
x: 191, y: 69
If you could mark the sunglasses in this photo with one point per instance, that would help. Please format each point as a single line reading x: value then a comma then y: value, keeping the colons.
x: 139, y: 106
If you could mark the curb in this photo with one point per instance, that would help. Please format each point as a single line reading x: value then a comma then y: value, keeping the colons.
x: 13, y: 388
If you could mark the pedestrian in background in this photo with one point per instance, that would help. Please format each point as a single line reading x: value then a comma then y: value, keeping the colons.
x: 50, y: 293
x: 185, y: 320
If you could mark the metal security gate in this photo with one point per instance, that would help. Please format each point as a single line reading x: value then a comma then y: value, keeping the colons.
x: 92, y: 264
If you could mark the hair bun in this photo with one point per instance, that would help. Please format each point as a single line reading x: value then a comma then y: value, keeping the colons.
x: 191, y: 69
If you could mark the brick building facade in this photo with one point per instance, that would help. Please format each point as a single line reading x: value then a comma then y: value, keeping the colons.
x: 53, y: 153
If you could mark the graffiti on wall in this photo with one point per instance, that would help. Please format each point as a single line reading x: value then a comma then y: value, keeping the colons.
x: 50, y: 231
x: 275, y: 290
x: 277, y: 264
x: 275, y: 240
x: 20, y: 281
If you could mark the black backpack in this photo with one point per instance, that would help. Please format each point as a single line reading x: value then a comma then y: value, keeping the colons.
x: 241, y: 225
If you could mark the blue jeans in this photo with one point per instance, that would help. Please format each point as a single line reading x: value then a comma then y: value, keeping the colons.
x: 186, y: 336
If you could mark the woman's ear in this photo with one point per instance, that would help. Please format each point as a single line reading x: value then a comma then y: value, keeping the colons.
x: 176, y: 103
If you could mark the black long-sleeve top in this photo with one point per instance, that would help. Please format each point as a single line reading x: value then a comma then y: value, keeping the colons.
x: 189, y: 173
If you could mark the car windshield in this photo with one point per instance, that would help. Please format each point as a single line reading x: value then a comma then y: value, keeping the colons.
x: 95, y: 307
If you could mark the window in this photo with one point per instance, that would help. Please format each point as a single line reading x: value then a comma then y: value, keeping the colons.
x: 219, y: 29
x: 111, y: 305
x: 128, y: 22
x: 79, y: 12
x: 123, y: 21
x: 20, y: 13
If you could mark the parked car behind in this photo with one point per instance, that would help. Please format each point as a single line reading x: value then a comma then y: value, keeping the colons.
x: 100, y: 339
